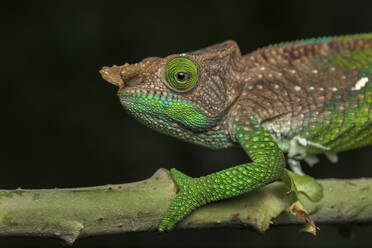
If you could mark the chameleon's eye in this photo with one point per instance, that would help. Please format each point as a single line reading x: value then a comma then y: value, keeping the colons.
x: 181, y: 74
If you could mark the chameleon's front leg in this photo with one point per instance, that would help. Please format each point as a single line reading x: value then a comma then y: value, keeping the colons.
x: 267, y: 166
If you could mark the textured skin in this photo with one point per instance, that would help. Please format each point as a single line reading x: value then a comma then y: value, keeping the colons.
x: 305, y: 97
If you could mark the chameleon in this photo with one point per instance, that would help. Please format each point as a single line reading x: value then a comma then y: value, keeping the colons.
x: 304, y: 98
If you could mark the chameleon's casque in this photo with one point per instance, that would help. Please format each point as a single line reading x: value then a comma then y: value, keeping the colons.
x: 306, y: 97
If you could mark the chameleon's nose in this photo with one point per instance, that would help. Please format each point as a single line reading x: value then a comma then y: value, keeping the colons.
x: 112, y: 75
x: 130, y: 75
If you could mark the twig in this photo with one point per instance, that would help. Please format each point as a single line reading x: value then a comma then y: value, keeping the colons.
x: 69, y: 214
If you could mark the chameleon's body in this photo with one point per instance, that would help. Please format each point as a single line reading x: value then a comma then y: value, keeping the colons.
x: 306, y: 97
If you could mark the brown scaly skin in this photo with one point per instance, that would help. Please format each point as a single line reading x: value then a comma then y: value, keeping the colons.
x: 305, y: 97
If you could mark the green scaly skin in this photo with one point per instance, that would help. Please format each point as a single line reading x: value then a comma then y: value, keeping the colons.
x: 306, y: 97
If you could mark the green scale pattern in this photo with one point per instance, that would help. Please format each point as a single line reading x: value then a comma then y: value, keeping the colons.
x: 347, y: 120
x: 267, y: 166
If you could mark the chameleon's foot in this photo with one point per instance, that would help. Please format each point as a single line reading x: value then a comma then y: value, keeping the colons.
x: 187, y: 200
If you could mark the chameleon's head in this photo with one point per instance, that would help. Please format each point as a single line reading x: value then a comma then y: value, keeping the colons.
x: 181, y: 93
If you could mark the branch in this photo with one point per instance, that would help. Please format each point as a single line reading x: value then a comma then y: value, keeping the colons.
x: 71, y: 213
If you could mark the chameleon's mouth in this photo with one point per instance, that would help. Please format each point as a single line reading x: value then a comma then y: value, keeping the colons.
x: 160, y: 122
x: 157, y: 94
x: 149, y: 105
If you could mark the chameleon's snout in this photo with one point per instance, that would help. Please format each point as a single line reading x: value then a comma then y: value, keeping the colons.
x: 112, y: 75
x: 130, y: 74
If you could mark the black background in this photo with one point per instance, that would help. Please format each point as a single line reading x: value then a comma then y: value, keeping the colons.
x: 63, y: 126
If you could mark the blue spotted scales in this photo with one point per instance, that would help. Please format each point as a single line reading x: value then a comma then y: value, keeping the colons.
x: 303, y: 98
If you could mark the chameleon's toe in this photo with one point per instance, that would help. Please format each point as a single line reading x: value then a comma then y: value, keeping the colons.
x: 180, y: 178
x: 187, y: 200
x: 180, y: 207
